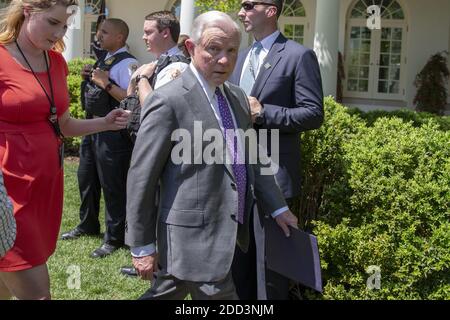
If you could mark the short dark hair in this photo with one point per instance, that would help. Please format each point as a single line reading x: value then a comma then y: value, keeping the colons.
x: 120, y: 25
x: 279, y: 4
x: 166, y: 19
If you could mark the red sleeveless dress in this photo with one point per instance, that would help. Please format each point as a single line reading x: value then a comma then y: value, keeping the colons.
x: 29, y: 158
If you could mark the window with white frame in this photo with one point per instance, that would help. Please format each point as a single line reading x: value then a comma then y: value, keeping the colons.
x: 293, y: 21
x: 375, y: 58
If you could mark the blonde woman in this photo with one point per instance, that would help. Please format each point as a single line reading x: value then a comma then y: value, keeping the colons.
x: 34, y: 117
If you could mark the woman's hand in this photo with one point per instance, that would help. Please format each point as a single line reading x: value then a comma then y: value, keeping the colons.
x: 117, y: 119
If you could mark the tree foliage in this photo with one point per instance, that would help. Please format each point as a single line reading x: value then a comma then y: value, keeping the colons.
x: 431, y: 85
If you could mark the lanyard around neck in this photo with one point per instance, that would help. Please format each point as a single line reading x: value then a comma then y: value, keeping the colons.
x: 53, y: 118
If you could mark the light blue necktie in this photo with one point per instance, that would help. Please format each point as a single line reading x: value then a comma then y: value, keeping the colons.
x: 251, y: 70
x: 239, y: 168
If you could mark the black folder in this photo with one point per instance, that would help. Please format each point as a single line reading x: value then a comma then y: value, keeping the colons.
x: 296, y: 257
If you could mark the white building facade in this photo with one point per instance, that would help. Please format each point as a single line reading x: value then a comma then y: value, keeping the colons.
x: 380, y: 62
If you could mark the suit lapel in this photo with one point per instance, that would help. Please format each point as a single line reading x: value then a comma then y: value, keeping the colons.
x: 197, y: 99
x: 273, y: 58
x: 236, y: 107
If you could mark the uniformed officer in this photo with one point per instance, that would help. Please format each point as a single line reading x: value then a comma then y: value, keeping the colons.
x: 106, y: 155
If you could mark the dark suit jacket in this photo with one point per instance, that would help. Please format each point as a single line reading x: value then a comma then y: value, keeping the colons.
x: 289, y: 87
x: 195, y: 225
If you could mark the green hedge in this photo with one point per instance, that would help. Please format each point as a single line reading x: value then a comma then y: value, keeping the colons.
x: 376, y: 192
x: 74, y: 81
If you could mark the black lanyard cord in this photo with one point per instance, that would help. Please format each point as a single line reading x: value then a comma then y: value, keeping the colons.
x: 53, y: 118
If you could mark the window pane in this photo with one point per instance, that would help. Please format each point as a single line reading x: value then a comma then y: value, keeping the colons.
x: 354, y: 59
x: 365, y: 45
x: 395, y: 59
x: 397, y: 34
x: 365, y: 59
x: 385, y: 46
x: 384, y: 73
x: 384, y: 61
x: 298, y: 30
x: 364, y: 72
x: 386, y: 33
x: 382, y: 86
x: 353, y: 72
x: 352, y: 85
x: 396, y: 47
x: 354, y: 45
x: 394, y: 87
x: 355, y: 33
x: 363, y: 85
x: 288, y: 32
x: 395, y: 74
x: 365, y: 33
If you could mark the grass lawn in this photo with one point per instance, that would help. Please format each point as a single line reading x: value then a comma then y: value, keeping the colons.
x: 99, y: 278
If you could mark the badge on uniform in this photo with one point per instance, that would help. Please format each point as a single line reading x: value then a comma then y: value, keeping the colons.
x: 175, y: 73
x: 132, y: 67
x: 109, y: 61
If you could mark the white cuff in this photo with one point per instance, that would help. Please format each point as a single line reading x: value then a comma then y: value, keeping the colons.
x: 139, y: 252
x: 276, y: 213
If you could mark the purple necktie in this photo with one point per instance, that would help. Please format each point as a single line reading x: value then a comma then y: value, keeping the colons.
x: 239, y: 169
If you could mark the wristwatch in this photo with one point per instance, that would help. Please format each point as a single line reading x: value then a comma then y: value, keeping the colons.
x: 142, y: 76
x: 259, y: 117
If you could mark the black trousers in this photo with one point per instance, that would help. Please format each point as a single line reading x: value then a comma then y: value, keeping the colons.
x: 104, y: 162
x: 252, y: 279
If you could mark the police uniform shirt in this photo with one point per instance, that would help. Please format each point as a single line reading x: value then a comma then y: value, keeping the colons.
x: 173, y: 70
x: 121, y: 72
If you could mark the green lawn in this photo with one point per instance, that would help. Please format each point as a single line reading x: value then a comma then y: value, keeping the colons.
x: 99, y: 278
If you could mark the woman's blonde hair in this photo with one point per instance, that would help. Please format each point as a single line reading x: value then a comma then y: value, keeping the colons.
x: 12, y: 17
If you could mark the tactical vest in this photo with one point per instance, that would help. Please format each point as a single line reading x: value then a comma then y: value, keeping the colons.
x: 131, y: 102
x: 97, y: 101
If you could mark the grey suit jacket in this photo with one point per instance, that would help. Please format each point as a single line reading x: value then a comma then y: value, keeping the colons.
x: 289, y: 87
x: 195, y: 224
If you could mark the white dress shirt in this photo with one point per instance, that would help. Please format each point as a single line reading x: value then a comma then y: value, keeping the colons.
x: 266, y: 43
x: 121, y: 72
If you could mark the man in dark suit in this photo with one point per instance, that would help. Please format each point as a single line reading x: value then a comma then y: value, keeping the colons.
x: 203, y: 207
x: 282, y: 80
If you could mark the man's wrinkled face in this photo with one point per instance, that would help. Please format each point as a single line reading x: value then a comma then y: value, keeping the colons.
x: 216, y: 54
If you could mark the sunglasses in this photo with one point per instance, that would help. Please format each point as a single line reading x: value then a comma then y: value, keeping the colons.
x: 249, y: 5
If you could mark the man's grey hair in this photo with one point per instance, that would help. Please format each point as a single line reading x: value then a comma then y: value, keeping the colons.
x: 211, y: 19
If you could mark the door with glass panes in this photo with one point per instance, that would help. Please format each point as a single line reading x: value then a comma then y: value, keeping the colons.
x: 374, y: 60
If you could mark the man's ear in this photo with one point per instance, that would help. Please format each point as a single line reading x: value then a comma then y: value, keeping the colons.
x: 166, y: 33
x: 272, y: 11
x: 190, y: 46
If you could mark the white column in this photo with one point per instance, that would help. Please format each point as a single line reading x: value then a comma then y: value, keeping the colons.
x: 74, y: 38
x: 186, y: 16
x: 326, y: 42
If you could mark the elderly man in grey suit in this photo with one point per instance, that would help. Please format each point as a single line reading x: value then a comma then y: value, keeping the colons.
x: 282, y: 79
x: 189, y: 241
